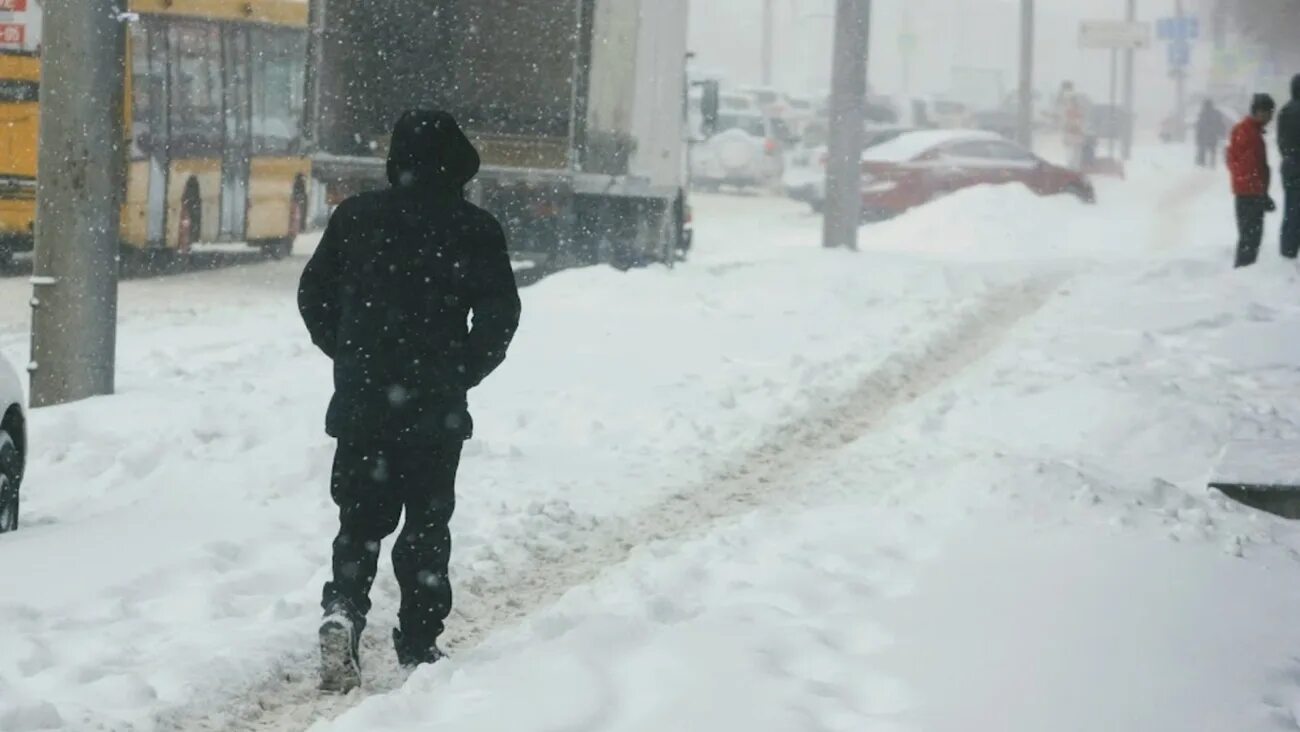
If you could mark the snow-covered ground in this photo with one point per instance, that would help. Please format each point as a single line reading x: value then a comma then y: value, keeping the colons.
x: 954, y: 481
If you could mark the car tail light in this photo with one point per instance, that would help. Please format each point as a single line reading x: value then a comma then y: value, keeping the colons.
x: 770, y: 146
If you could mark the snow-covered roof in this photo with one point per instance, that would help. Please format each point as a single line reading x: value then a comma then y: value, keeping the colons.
x: 910, y: 145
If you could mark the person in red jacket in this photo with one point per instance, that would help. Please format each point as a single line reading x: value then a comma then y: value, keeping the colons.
x: 1247, y: 159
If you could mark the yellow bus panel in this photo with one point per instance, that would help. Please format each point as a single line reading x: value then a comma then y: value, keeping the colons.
x: 276, y: 12
x: 135, y: 210
x: 270, y: 195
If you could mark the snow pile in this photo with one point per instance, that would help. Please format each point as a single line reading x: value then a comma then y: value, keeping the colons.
x: 176, y: 534
x: 955, y: 481
x: 1028, y: 545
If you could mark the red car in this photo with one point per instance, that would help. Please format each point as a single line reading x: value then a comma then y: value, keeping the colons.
x: 918, y: 167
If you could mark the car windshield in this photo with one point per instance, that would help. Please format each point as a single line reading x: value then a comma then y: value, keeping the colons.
x: 766, y: 97
x: 744, y: 122
x: 880, y: 137
x: 736, y: 102
x: 949, y: 107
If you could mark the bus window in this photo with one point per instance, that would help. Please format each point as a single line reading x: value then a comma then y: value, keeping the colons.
x: 146, y: 92
x: 196, y: 109
x: 279, y: 84
x: 13, y: 91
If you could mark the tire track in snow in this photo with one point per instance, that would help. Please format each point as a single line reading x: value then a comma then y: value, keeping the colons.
x: 763, y: 476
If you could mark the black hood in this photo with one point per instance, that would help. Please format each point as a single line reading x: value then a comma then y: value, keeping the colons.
x: 1295, y: 87
x: 429, y: 150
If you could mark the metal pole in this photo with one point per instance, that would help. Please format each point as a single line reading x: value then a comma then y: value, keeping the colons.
x: 768, y: 22
x: 1130, y: 116
x: 78, y: 200
x: 1025, y: 121
x: 1180, y: 84
x: 1112, y: 114
x: 847, y: 107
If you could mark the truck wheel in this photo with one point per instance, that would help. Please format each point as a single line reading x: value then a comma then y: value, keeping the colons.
x: 10, y: 477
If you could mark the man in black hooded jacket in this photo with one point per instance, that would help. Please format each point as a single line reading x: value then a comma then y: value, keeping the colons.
x: 1288, y: 143
x: 388, y: 296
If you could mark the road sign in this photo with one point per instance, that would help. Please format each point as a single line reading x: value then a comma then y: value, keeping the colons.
x: 1114, y: 34
x: 12, y: 35
x: 13, y: 6
x: 1180, y: 54
x: 1178, y: 28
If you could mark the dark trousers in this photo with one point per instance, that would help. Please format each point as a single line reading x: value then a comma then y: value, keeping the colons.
x: 1291, y: 222
x: 1250, y: 228
x: 372, y: 484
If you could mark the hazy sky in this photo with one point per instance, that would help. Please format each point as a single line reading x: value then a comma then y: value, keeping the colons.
x: 974, y: 34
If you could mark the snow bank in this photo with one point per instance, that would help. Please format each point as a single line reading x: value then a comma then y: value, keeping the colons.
x: 176, y: 534
x: 1029, y: 545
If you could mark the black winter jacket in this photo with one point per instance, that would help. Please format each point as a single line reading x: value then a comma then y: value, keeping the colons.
x: 1288, y: 137
x: 390, y: 290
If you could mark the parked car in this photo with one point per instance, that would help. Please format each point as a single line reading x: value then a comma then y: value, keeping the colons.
x: 737, y: 102
x: 918, y: 167
x: 805, y: 172
x: 13, y: 445
x: 746, y: 151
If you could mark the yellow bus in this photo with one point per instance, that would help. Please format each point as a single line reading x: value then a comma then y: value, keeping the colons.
x: 216, y: 119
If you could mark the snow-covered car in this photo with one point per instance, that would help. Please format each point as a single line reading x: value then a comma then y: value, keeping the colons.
x: 13, y: 445
x: 745, y: 151
x: 918, y: 167
x: 738, y: 103
x: 805, y: 171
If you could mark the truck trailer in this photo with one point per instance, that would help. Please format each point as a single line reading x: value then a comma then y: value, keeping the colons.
x: 578, y: 108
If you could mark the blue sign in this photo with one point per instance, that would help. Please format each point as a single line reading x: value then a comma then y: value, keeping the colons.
x: 1178, y: 28
x: 1180, y: 54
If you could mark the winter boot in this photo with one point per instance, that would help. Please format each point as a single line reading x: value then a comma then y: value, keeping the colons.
x: 340, y: 659
x: 412, y: 653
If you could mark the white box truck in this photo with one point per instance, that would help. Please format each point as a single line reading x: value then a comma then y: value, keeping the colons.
x: 578, y: 108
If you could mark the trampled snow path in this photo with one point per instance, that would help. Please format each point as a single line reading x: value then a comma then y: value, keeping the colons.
x: 760, y: 478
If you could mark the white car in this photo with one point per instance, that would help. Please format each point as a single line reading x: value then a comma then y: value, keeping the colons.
x: 13, y: 445
x: 746, y: 150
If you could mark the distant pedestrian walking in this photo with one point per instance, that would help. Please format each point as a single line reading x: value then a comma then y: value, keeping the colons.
x: 1248, y: 163
x: 387, y: 296
x: 1074, y: 132
x: 1288, y: 143
x: 1210, y: 129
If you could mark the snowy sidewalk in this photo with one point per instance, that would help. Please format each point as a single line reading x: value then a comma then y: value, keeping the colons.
x: 1026, y: 546
x: 705, y: 498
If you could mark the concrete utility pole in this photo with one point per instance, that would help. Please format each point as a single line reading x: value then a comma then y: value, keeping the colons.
x: 1129, y: 101
x: 79, y: 199
x: 768, y: 30
x: 1180, y: 83
x: 843, y: 213
x: 1025, y: 121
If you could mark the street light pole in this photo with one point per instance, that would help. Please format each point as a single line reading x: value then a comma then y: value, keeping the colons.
x: 767, y: 51
x: 82, y: 171
x: 1130, y: 113
x: 1180, y: 82
x: 1025, y: 123
x: 843, y: 212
